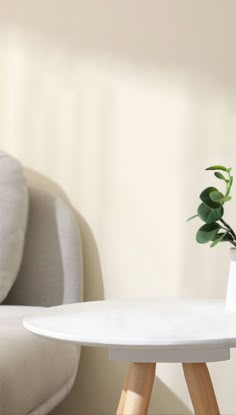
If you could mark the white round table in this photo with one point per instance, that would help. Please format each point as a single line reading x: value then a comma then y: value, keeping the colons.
x: 146, y: 331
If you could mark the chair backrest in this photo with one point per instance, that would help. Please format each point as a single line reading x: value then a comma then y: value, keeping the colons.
x: 51, y: 272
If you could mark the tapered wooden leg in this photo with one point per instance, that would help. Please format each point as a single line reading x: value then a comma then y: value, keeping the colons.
x: 136, y: 393
x: 200, y: 389
x: 120, y: 409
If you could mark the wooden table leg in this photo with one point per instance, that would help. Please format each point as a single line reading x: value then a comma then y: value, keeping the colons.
x: 136, y: 393
x: 200, y: 389
x: 120, y: 409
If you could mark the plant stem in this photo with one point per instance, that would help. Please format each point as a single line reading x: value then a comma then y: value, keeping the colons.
x: 227, y: 226
x: 229, y: 184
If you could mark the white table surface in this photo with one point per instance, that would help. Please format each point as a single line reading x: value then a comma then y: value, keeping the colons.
x: 153, y: 329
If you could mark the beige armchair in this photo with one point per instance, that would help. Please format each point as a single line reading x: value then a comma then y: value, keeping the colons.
x: 36, y: 374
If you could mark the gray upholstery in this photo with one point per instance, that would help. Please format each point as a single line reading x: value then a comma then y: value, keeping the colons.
x: 51, y: 270
x: 13, y: 220
x: 35, y: 373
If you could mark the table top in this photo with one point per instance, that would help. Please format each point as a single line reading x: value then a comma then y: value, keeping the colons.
x: 140, y: 325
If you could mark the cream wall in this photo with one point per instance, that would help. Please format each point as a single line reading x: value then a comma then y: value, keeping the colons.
x: 121, y: 105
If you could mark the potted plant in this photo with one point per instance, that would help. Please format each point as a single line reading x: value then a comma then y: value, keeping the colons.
x: 215, y: 228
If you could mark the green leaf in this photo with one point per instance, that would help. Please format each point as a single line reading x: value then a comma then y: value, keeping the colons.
x: 218, y: 238
x: 205, y: 198
x: 217, y: 167
x: 226, y: 198
x: 228, y: 238
x: 207, y: 232
x: 216, y: 196
x: 208, y: 214
x: 219, y: 197
x: 219, y: 234
x: 220, y: 176
x: 192, y: 217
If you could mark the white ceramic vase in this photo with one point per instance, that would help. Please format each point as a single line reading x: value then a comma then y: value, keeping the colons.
x: 231, y: 287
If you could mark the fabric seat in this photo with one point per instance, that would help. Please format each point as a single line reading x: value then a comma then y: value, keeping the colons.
x: 35, y: 373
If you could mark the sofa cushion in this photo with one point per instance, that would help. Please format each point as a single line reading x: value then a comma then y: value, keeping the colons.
x: 36, y: 373
x: 13, y: 220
